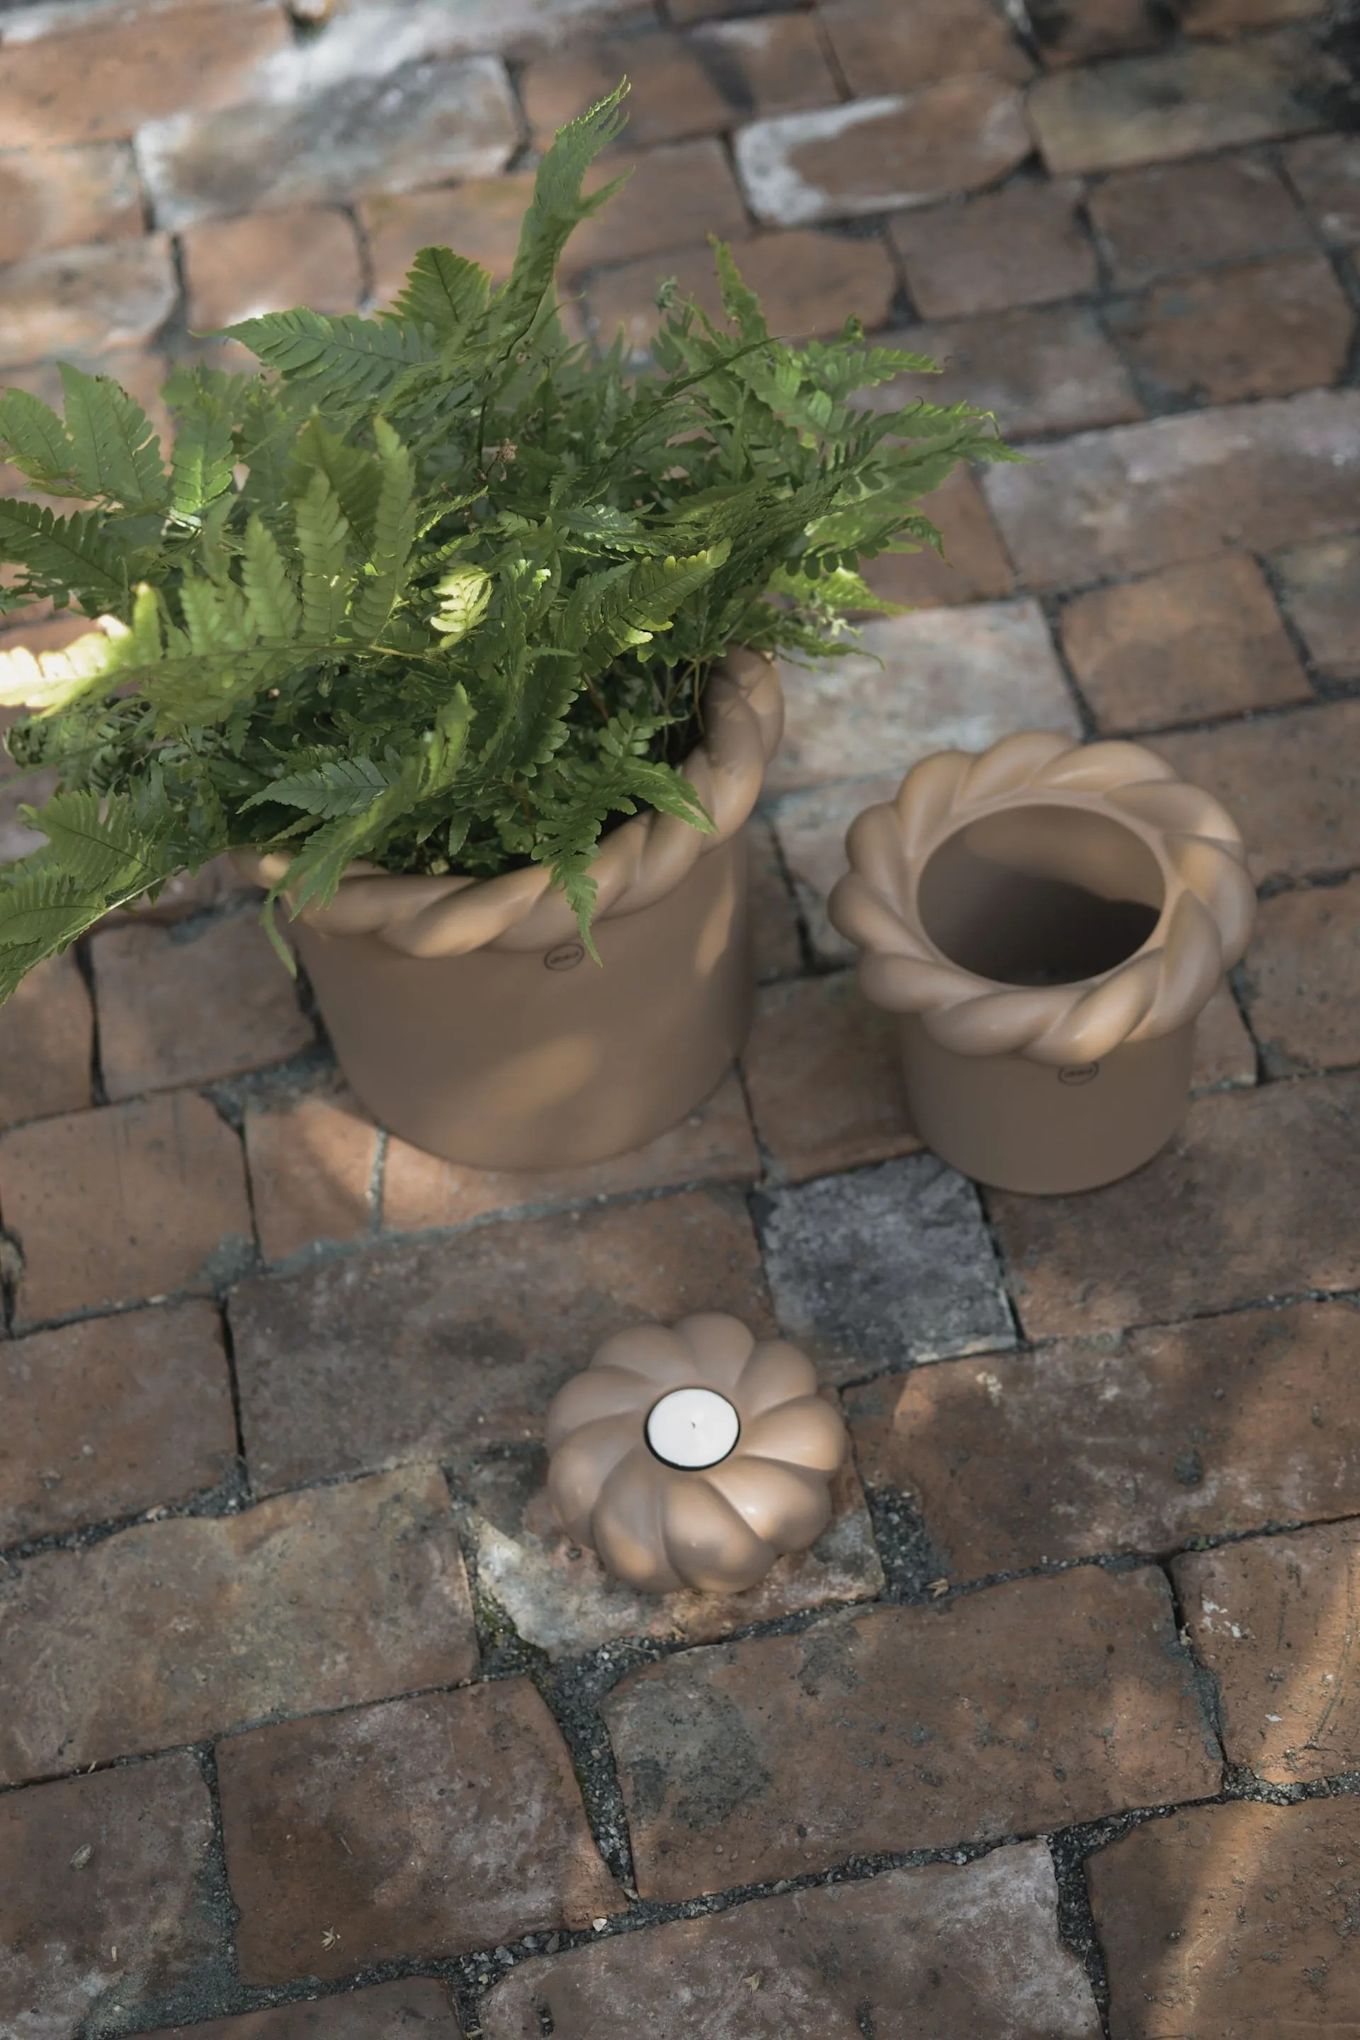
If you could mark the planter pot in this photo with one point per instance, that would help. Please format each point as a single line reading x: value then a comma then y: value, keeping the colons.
x: 1049, y: 919
x: 468, y: 1018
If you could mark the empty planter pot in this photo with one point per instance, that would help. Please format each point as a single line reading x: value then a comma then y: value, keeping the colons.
x: 1049, y: 920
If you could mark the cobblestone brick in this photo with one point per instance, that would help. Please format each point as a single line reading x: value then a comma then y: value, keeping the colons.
x: 1301, y: 979
x: 1020, y: 246
x: 52, y: 198
x: 46, y: 1043
x: 673, y: 95
x: 811, y: 829
x: 1204, y: 1226
x: 199, y: 1624
x: 1073, y: 34
x: 1262, y: 330
x: 1325, y: 171
x: 269, y: 262
x: 1321, y: 588
x: 1224, y: 1051
x: 479, y: 219
x: 824, y: 1075
x: 112, y: 1415
x: 901, y: 48
x: 1045, y: 369
x: 1224, y: 17
x: 451, y: 1346
x: 973, y: 566
x: 773, y: 63
x: 312, y: 1161
x: 429, y: 1826
x: 123, y: 1204
x: 908, y: 1728
x: 774, y: 918
x: 1293, y: 779
x: 79, y: 301
x: 416, y: 2008
x: 1133, y: 1443
x: 930, y: 1952
x: 1173, y: 216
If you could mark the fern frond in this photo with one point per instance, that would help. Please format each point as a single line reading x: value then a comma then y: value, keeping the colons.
x: 65, y: 557
x: 443, y: 291
x: 275, y: 610
x: 117, y: 455
x: 201, y: 464
x: 47, y: 681
x: 344, y: 357
x: 338, y: 786
x: 558, y: 206
x: 625, y: 606
x: 323, y: 547
x: 34, y: 440
x: 394, y: 531
x: 99, y: 847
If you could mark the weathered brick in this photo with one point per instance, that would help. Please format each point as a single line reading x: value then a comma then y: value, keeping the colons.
x: 428, y: 1826
x: 875, y: 155
x: 1020, y: 246
x: 1301, y: 978
x: 673, y: 95
x: 269, y: 262
x: 973, y: 566
x: 1194, y: 641
x: 927, y: 1952
x: 1274, y: 1621
x: 1321, y: 588
x: 109, y: 1897
x: 1325, y: 171
x: 884, y: 1266
x: 686, y: 11
x: 1133, y: 1443
x: 1224, y: 1051
x: 79, y: 301
x: 110, y: 1416
x: 713, y: 1144
x: 560, y: 1599
x: 811, y: 830
x: 182, y: 1006
x: 914, y: 42
x: 454, y: 1345
x: 824, y: 1074
x: 1172, y: 216
x: 52, y: 198
x: 1259, y: 476
x: 1226, y: 17
x: 774, y: 917
x: 1232, y: 1919
x: 1263, y: 329
x: 122, y: 1204
x: 1204, y: 1226
x: 808, y: 283
x: 774, y: 63
x: 416, y: 2008
x: 1046, y: 369
x: 1294, y: 780
x: 46, y: 1043
x: 908, y: 1728
x: 97, y: 76
x: 1177, y: 102
x: 312, y: 1161
x: 480, y: 219
x: 204, y: 1623
x: 388, y: 121
x: 1074, y: 31
x: 923, y: 682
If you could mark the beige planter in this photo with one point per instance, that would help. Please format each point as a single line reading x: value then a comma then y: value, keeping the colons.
x: 1049, y: 919
x: 468, y: 1018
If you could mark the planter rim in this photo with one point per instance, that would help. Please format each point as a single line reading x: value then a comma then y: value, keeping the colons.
x: 638, y: 863
x: 1206, y: 916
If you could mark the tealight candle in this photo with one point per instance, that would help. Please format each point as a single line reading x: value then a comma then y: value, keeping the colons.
x: 692, y: 1427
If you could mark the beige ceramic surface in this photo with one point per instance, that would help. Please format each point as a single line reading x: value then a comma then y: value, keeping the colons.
x: 469, y: 1019
x: 1049, y: 919
x: 719, y: 1528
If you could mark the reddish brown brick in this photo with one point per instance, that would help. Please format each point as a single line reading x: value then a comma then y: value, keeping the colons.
x: 908, y: 1728
x: 824, y: 1073
x: 1321, y: 588
x: 202, y: 1623
x: 1096, y: 28
x: 1234, y: 1919
x: 973, y: 566
x: 216, y: 884
x: 480, y: 220
x: 78, y: 301
x: 1205, y: 1225
x: 1172, y: 216
x: 1293, y: 781
x: 1274, y: 1621
x: 107, y: 1890
x: 452, y: 1345
x: 774, y: 918
x: 713, y: 1144
x: 52, y: 198
x: 1325, y: 171
x: 312, y: 1161
x: 268, y: 262
x: 774, y: 63
x: 1117, y: 503
x: 1195, y: 641
x: 1178, y: 102
x: 104, y: 74
x: 673, y: 95
x: 901, y: 48
x: 811, y: 830
x: 1049, y: 369
x: 1301, y: 978
x: 808, y: 284
x: 123, y: 1204
x: 686, y: 11
x: 416, y: 2008
x: 1226, y: 17
x: 1224, y: 1051
x: 430, y: 1826
x: 1138, y: 1442
x: 180, y: 1008
x: 1020, y: 246
x: 1261, y: 330
x: 110, y: 1416
x: 46, y: 1044
x: 875, y: 155
x: 926, y: 1952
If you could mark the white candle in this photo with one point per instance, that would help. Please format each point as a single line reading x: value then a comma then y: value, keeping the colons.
x: 692, y: 1427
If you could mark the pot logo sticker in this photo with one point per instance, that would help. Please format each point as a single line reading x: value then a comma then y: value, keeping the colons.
x: 566, y: 956
x: 1079, y: 1073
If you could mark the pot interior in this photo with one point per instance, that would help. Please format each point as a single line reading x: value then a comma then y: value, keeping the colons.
x: 1042, y: 895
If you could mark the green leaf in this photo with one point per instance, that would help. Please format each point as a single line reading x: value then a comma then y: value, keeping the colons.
x: 43, y: 912
x: 116, y: 453
x: 464, y: 598
x: 201, y: 464
x: 65, y: 556
x: 625, y: 606
x: 33, y: 439
x: 275, y: 610
x: 102, y: 852
x: 558, y: 206
x: 48, y: 681
x: 443, y: 291
x: 337, y: 786
x: 346, y: 357
x: 393, y: 535
x: 323, y: 547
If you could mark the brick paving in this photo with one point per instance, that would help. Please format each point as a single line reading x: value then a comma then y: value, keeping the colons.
x: 315, y: 1725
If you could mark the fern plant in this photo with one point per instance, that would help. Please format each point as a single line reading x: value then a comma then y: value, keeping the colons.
x: 437, y: 589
